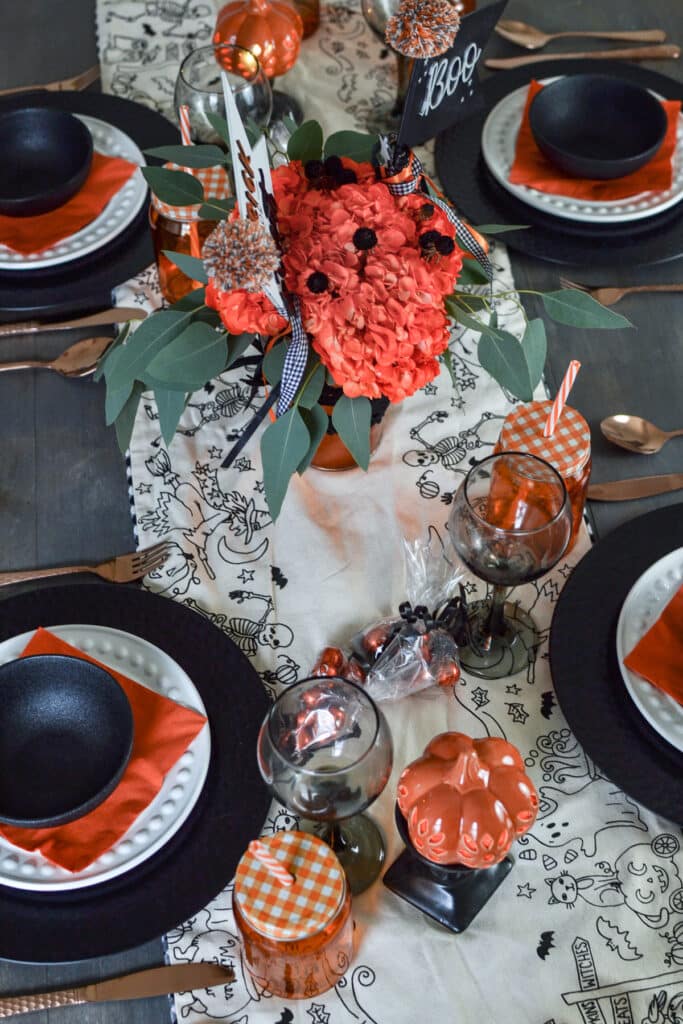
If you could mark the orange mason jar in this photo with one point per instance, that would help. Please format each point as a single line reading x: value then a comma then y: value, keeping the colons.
x: 176, y: 235
x: 297, y: 939
x: 568, y: 450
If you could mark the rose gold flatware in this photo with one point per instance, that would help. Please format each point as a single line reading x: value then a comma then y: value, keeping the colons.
x: 532, y: 38
x: 609, y: 296
x: 636, y: 434
x: 122, y: 569
x: 106, y: 316
x: 76, y: 83
x: 78, y: 360
x: 642, y: 487
x: 158, y: 981
x: 631, y: 53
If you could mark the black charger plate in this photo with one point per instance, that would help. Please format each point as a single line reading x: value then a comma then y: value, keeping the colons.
x: 472, y: 189
x: 86, y: 284
x: 201, y: 858
x: 585, y: 669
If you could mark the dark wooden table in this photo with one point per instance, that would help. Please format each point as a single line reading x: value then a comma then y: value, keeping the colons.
x: 63, y: 488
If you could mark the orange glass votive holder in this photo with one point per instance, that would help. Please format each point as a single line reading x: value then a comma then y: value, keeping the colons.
x: 298, y: 939
x: 568, y: 450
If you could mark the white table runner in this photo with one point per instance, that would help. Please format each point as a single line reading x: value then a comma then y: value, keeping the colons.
x: 572, y: 935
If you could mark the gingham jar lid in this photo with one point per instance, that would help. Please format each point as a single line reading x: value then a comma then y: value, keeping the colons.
x: 567, y: 450
x: 300, y: 910
x: 216, y: 185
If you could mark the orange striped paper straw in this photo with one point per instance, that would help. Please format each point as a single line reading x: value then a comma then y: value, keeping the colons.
x: 561, y: 398
x: 184, y: 119
x: 274, y: 867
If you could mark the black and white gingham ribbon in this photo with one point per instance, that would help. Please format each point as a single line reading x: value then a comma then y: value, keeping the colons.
x: 295, y: 360
x: 462, y: 232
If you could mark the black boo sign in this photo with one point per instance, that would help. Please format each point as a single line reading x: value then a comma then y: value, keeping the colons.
x: 444, y: 89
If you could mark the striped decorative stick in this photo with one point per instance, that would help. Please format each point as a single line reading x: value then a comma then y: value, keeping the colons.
x: 184, y: 119
x: 561, y: 398
x: 274, y: 867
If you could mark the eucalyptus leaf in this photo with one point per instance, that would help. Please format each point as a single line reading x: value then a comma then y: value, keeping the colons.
x: 118, y: 340
x: 118, y: 388
x: 191, y: 359
x: 220, y: 126
x: 472, y: 273
x: 171, y: 405
x: 351, y: 420
x: 216, y: 209
x: 306, y: 143
x: 289, y: 123
x: 357, y: 146
x: 174, y: 187
x: 191, y: 266
x: 535, y: 347
x: 500, y: 229
x: 315, y: 379
x: 479, y: 326
x: 469, y: 302
x: 273, y: 363
x: 284, y: 444
x: 125, y: 421
x: 151, y: 336
x: 317, y: 422
x: 237, y: 346
x: 189, y: 156
x: 578, y: 309
x: 194, y: 301
x: 447, y: 360
x: 501, y: 355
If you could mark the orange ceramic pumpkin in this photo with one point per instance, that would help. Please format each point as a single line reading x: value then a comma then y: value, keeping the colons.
x: 465, y: 801
x: 271, y: 29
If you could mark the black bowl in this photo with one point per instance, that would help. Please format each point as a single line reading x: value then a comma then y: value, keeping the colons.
x: 46, y: 156
x: 66, y: 733
x: 596, y: 126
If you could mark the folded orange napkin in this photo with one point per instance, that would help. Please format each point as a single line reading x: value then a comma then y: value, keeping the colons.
x: 658, y: 656
x: 531, y: 168
x: 163, y: 731
x: 28, y: 235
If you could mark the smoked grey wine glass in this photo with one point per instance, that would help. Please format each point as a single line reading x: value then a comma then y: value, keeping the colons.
x: 510, y: 523
x: 325, y: 751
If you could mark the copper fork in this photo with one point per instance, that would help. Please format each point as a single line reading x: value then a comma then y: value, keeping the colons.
x: 609, y: 296
x: 122, y: 569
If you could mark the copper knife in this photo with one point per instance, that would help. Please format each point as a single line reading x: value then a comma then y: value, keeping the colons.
x: 158, y: 981
x: 669, y: 50
x: 642, y: 487
x: 106, y: 316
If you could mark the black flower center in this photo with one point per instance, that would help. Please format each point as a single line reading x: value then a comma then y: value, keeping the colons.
x: 364, y: 239
x: 318, y: 282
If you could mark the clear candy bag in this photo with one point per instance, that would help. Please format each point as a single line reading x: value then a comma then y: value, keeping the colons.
x: 416, y: 649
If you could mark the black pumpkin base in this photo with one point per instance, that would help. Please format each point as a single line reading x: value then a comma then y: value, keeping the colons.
x: 451, y: 894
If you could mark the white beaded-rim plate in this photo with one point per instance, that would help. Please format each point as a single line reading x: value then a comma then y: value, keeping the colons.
x: 498, y: 141
x: 644, y: 603
x: 146, y: 664
x: 119, y: 212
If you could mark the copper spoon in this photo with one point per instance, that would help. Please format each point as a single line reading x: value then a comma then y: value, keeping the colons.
x: 78, y: 360
x: 531, y: 38
x: 636, y: 434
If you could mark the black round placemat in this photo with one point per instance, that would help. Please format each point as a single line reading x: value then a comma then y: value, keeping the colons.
x: 480, y: 199
x: 86, y: 283
x: 585, y: 670
x: 201, y: 858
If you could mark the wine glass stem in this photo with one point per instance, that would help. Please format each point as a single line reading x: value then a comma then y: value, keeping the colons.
x: 495, y: 623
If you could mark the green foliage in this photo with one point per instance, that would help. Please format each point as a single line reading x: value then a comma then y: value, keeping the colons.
x: 472, y: 273
x: 317, y: 422
x: 194, y: 357
x: 126, y: 418
x: 351, y: 420
x: 500, y: 229
x: 170, y: 405
x: 284, y: 444
x: 578, y: 309
x: 312, y: 384
x: 273, y: 363
x: 220, y: 126
x: 306, y: 143
x: 216, y: 209
x: 192, y: 266
x: 190, y: 156
x: 356, y: 146
x: 174, y: 187
x: 517, y: 366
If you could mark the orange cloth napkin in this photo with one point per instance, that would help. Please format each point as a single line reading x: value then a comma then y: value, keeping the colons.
x: 163, y: 731
x: 531, y: 168
x: 27, y: 235
x: 658, y: 656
